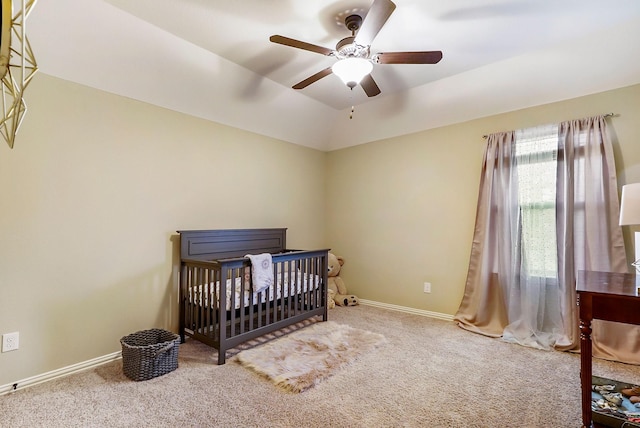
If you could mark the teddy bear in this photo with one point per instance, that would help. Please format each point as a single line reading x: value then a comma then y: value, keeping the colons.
x: 337, y: 291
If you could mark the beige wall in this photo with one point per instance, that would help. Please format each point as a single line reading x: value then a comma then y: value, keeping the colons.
x: 402, y: 211
x: 97, y: 185
x: 92, y: 195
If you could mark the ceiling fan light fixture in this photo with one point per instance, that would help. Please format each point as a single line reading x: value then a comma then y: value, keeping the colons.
x: 352, y: 70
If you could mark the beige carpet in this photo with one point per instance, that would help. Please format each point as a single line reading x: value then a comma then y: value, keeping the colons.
x: 302, y: 359
x: 430, y: 373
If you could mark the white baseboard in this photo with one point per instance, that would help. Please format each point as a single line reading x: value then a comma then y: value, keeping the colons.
x: 65, y: 371
x: 76, y: 368
x: 438, y: 315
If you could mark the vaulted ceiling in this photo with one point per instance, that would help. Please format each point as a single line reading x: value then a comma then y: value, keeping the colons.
x: 213, y: 59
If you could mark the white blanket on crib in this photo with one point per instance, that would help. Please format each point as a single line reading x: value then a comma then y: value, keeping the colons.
x: 261, y: 271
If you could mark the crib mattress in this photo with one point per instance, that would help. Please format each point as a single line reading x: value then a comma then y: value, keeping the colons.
x: 242, y: 293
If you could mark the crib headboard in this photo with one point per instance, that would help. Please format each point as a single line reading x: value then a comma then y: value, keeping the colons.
x: 230, y: 243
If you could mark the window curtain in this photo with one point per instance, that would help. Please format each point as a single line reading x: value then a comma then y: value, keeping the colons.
x: 512, y: 290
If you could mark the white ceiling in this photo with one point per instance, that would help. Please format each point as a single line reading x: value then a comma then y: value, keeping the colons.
x: 213, y: 59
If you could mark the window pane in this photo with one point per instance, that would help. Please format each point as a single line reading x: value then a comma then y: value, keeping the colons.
x: 536, y: 177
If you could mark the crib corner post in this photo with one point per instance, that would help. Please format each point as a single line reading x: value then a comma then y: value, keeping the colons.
x: 181, y: 301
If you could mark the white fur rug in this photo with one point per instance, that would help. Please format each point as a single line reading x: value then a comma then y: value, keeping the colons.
x: 306, y: 357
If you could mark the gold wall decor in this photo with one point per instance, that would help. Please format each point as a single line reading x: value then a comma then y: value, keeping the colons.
x: 17, y: 65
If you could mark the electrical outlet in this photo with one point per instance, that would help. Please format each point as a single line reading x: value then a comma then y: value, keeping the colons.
x: 427, y: 287
x: 10, y: 341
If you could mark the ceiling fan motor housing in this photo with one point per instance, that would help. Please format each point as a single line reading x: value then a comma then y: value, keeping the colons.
x: 347, y: 48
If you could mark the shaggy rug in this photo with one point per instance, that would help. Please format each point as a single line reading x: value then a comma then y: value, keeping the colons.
x: 306, y: 357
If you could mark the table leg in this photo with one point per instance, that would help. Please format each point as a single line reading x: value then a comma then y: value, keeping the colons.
x: 585, y: 370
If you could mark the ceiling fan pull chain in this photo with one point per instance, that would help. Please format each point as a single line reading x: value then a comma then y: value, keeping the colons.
x: 353, y: 107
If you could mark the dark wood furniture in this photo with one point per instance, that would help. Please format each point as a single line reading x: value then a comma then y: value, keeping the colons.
x: 606, y: 296
x: 217, y: 304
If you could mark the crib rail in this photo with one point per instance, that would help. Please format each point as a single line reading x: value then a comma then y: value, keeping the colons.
x: 218, y: 306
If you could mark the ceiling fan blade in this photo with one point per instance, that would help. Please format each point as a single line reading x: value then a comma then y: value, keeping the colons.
x: 426, y: 57
x: 314, y: 78
x: 377, y: 16
x: 369, y: 85
x: 300, y: 45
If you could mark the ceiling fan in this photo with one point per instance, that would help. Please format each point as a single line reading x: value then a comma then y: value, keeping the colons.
x: 355, y: 61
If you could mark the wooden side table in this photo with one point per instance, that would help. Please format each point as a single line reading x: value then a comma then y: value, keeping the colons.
x: 605, y: 296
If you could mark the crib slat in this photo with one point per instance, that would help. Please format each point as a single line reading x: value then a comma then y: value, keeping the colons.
x: 212, y: 302
x: 199, y: 297
x: 216, y: 299
x: 238, y: 273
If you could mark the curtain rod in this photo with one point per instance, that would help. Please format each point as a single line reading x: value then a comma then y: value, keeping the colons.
x: 604, y: 115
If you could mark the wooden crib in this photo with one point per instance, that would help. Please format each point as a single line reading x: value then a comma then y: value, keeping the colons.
x: 226, y: 316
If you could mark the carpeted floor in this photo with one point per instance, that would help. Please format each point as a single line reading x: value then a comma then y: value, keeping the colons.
x: 429, y: 373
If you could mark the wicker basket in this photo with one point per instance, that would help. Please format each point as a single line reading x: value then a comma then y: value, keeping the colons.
x: 149, y: 353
